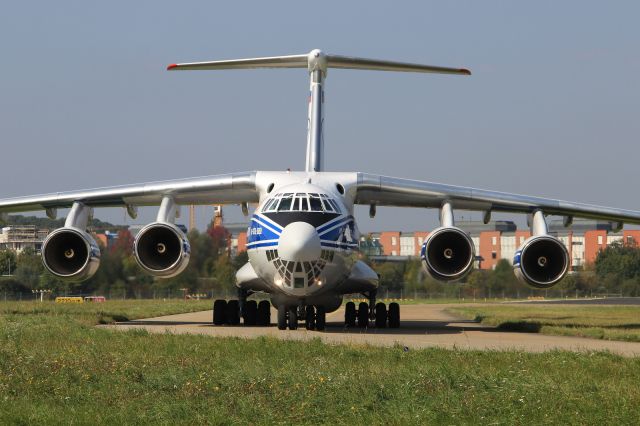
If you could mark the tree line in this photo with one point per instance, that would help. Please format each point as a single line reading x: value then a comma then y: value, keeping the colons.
x: 616, y: 271
x: 212, y: 269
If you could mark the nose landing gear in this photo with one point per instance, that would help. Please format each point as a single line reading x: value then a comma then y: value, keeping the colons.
x: 314, y: 317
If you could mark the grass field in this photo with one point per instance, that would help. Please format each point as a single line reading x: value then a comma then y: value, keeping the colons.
x: 600, y: 322
x: 103, y: 313
x: 57, y: 368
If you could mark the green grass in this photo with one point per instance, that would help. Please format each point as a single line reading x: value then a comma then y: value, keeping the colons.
x: 600, y: 322
x: 57, y: 368
x: 104, y: 313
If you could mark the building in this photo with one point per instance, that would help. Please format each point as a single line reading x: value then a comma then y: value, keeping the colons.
x: 20, y: 237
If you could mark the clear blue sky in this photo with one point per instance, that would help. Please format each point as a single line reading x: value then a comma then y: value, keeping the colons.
x: 552, y: 108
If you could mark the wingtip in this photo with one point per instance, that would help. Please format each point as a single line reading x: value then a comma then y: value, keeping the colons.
x: 172, y: 66
x: 465, y: 71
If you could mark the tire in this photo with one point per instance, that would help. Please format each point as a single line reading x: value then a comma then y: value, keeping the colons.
x: 310, y: 318
x: 394, y: 315
x: 282, y: 317
x: 219, y: 312
x: 264, y: 313
x: 350, y: 314
x: 321, y: 318
x: 233, y: 312
x: 381, y: 315
x: 363, y: 314
x: 293, y: 318
x: 250, y: 312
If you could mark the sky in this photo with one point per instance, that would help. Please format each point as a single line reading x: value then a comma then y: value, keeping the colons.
x: 552, y: 108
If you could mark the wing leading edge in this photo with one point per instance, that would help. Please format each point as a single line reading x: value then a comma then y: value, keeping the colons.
x: 220, y: 189
x: 390, y: 191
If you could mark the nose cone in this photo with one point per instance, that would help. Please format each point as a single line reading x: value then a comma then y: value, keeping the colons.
x: 299, y: 241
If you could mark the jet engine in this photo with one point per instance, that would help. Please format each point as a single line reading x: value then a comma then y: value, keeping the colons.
x: 541, y: 261
x: 448, y: 253
x: 71, y: 254
x: 162, y: 249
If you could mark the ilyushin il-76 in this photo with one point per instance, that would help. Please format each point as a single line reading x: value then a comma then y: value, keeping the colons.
x: 303, y: 239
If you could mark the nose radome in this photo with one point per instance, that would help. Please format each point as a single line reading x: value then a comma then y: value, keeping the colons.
x: 299, y: 241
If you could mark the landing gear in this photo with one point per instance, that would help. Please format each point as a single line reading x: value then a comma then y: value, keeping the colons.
x: 219, y: 312
x: 310, y: 318
x: 264, y: 313
x: 363, y: 315
x: 350, y: 314
x: 282, y: 317
x: 377, y: 312
x: 394, y: 315
x: 381, y: 315
x: 250, y: 312
x: 233, y: 312
x: 293, y: 318
x: 253, y: 313
x: 321, y: 318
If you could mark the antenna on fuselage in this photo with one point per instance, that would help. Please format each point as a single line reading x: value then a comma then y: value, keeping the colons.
x: 317, y: 64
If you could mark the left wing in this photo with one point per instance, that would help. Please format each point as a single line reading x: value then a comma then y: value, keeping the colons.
x: 220, y: 189
x: 390, y: 191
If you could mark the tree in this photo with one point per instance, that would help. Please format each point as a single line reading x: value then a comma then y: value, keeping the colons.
x: 8, y: 262
x: 29, y: 269
x: 123, y: 243
x: 224, y: 275
x: 220, y: 238
x: 619, y: 259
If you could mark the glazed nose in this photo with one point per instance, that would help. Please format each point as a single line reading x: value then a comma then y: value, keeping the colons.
x: 299, y: 241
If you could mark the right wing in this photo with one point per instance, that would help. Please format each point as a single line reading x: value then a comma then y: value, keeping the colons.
x: 221, y: 189
x: 391, y: 191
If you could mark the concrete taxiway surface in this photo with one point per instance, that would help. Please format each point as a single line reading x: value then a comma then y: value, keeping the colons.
x: 422, y: 326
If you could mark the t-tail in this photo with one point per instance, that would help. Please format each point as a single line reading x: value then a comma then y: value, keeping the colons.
x: 317, y: 63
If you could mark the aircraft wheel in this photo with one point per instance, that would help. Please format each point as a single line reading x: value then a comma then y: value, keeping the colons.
x: 321, y: 318
x: 293, y: 318
x: 282, y: 317
x: 363, y: 314
x: 233, y: 312
x: 219, y: 312
x: 394, y: 315
x: 381, y: 315
x: 264, y: 313
x: 350, y: 314
x: 309, y: 319
x: 250, y: 312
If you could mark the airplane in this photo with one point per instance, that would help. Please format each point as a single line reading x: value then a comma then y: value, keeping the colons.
x: 303, y: 239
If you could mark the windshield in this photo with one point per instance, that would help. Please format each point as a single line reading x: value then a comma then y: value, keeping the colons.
x: 301, y: 202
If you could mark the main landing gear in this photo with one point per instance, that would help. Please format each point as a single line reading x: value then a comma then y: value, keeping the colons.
x: 252, y: 313
x: 315, y: 317
x: 372, y: 311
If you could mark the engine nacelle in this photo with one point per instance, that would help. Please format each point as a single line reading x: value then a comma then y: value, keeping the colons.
x: 541, y: 261
x: 70, y: 254
x: 448, y: 253
x: 162, y: 249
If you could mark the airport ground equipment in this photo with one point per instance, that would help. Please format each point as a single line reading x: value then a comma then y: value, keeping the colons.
x: 303, y: 238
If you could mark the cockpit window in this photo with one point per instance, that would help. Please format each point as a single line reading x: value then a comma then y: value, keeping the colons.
x: 301, y: 201
x: 285, y: 203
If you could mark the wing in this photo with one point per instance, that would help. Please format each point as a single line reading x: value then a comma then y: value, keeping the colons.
x: 390, y: 191
x: 220, y: 189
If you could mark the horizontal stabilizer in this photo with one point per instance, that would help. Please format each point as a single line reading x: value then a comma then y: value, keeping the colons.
x: 291, y: 61
x: 317, y: 60
x: 348, y: 62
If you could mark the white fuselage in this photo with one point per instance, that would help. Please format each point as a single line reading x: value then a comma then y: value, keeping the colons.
x: 302, y: 241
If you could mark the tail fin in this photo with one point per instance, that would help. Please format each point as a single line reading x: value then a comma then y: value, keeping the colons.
x: 317, y: 63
